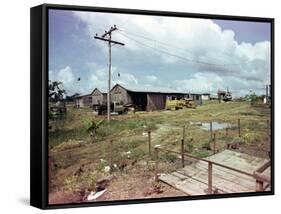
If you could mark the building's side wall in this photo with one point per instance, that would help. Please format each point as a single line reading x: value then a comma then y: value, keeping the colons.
x: 155, y: 101
x: 197, y: 98
x: 205, y: 97
x: 119, y: 94
x: 104, y: 98
x: 97, y: 98
x: 79, y: 102
x: 85, y: 101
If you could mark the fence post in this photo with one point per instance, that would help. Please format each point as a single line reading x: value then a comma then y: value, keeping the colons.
x: 183, y: 133
x: 211, y: 130
x: 239, y: 130
x: 214, y: 152
x: 149, y: 142
x: 210, y: 178
x: 156, y: 164
x: 111, y: 155
x: 182, y: 152
x: 268, y: 129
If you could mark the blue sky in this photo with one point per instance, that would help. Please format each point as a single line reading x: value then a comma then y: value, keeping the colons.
x: 160, y: 53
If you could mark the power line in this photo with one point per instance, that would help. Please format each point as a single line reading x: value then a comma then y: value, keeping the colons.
x: 174, y: 47
x: 176, y: 55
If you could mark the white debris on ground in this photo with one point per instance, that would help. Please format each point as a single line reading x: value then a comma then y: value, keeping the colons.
x: 106, y: 169
x: 128, y: 154
x: 95, y: 195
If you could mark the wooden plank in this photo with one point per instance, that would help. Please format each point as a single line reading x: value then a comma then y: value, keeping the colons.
x: 221, y: 180
x: 195, y: 179
x: 184, y: 184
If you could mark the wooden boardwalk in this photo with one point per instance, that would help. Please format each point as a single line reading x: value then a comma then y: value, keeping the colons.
x: 193, y: 178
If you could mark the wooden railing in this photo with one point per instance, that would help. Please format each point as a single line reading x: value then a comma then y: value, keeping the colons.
x: 260, y: 179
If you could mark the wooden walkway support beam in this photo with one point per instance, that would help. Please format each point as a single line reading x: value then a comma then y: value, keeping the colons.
x: 268, y: 129
x: 156, y: 163
x: 215, y: 146
x: 259, y: 186
x: 111, y: 155
x: 210, y: 178
x: 182, y: 152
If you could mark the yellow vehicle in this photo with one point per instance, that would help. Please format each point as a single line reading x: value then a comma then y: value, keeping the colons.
x: 175, y: 104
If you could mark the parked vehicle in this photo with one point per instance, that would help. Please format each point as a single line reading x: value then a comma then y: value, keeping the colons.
x: 224, y: 95
x: 57, y: 110
x: 175, y: 104
x: 114, y: 107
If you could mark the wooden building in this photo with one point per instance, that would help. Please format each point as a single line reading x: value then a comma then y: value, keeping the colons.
x: 148, y: 100
x: 83, y: 101
x: 98, y: 97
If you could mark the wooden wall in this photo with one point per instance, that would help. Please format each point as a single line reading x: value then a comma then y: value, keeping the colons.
x: 156, y: 101
x: 98, y: 97
x: 119, y: 94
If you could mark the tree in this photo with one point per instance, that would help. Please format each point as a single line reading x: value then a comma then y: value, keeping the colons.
x: 56, y: 92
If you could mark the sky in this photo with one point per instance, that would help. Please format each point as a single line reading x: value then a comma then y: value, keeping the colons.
x: 167, y: 54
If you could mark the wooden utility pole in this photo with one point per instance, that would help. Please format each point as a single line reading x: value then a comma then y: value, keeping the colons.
x: 266, y: 94
x: 110, y: 42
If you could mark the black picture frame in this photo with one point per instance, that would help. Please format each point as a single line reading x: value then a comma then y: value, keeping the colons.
x: 39, y: 104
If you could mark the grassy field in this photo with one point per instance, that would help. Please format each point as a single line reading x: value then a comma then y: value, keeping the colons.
x: 80, y: 160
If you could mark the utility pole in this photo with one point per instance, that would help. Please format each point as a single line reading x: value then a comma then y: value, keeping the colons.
x: 110, y: 44
x: 266, y: 94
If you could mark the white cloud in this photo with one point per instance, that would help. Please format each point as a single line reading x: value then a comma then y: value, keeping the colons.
x: 200, y: 82
x: 151, y: 78
x: 196, y: 40
x: 125, y: 79
x: 99, y: 78
x: 66, y: 76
